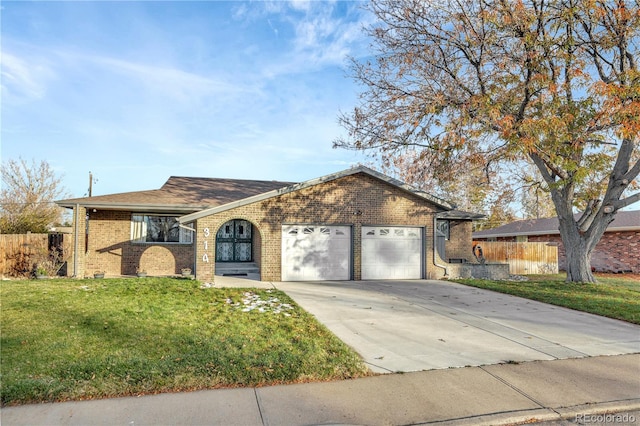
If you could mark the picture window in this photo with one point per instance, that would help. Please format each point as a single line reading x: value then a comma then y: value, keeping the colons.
x: 159, y: 229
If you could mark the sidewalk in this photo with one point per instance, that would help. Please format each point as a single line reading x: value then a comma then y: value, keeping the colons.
x: 494, y: 394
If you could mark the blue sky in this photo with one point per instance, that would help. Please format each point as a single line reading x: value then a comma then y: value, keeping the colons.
x: 136, y: 92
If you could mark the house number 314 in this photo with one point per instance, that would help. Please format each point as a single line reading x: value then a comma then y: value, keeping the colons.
x: 205, y: 256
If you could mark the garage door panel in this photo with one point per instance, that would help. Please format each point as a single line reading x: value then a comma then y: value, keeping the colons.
x: 312, y: 253
x: 391, y: 252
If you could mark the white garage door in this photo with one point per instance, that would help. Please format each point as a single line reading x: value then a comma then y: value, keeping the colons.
x: 391, y: 252
x: 316, y: 252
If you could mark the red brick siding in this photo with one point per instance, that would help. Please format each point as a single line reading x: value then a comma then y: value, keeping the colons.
x: 623, y: 247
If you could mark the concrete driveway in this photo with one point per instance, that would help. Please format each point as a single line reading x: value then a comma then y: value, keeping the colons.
x: 401, y: 326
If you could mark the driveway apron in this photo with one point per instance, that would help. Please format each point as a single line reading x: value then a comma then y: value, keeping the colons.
x: 402, y: 326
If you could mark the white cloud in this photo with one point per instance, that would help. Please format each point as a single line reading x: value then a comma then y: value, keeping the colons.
x: 304, y: 5
x: 273, y: 28
x: 324, y: 33
x: 24, y: 78
x: 172, y: 82
x: 323, y: 39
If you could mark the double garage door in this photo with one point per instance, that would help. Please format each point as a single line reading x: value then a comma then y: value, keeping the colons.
x: 317, y: 252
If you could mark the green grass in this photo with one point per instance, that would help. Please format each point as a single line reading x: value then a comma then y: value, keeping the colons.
x: 84, y: 339
x: 614, y: 296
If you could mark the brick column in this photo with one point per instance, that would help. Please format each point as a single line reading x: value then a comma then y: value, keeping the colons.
x: 76, y: 267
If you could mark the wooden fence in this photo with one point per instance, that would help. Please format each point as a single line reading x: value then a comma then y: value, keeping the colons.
x: 523, y: 258
x: 17, y: 251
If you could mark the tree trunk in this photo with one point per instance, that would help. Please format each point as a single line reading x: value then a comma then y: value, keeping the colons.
x: 578, y: 264
x: 578, y: 247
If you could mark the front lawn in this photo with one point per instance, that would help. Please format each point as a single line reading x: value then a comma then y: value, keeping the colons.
x: 614, y: 296
x: 81, y: 339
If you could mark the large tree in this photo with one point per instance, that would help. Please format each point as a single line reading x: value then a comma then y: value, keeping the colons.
x: 27, y: 197
x: 500, y: 84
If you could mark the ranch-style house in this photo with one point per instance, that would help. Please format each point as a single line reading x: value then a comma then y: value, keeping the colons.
x: 357, y: 224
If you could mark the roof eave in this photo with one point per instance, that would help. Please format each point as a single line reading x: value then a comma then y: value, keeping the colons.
x: 515, y: 234
x: 134, y: 207
x: 323, y: 179
x: 551, y: 232
x: 454, y: 215
x: 623, y: 229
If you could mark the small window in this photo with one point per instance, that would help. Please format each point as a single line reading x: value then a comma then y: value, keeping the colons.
x: 293, y: 231
x: 384, y: 232
x: 371, y: 232
x: 186, y: 236
x: 339, y: 232
x: 241, y: 230
x: 398, y: 232
x: 325, y: 231
x: 443, y: 229
x: 308, y: 230
x: 522, y: 238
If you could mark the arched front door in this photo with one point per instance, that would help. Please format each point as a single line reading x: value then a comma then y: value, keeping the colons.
x: 234, y: 241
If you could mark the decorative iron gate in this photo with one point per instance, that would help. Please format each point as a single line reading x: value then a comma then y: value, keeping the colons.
x: 234, y: 242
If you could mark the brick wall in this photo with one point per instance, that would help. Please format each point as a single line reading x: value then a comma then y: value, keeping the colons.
x: 109, y: 249
x: 354, y: 200
x: 620, y: 251
x: 459, y: 244
x: 78, y: 257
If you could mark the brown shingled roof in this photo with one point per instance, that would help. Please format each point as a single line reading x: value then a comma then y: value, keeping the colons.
x: 180, y: 193
x: 624, y: 220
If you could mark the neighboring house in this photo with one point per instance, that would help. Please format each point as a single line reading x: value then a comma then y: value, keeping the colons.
x: 617, y: 251
x: 352, y: 225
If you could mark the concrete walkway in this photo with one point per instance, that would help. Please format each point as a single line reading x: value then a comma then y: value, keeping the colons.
x: 549, y: 391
